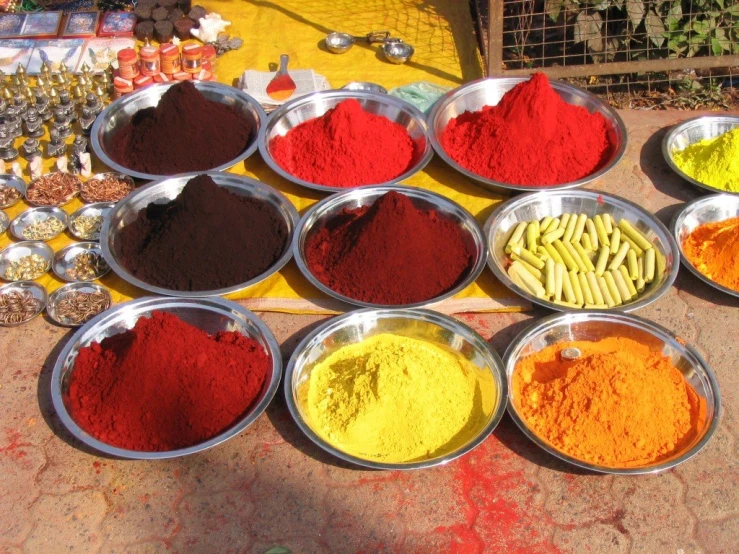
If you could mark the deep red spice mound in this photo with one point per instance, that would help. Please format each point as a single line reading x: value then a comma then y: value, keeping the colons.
x: 184, y: 132
x: 389, y: 253
x: 532, y: 137
x: 345, y: 147
x: 165, y: 384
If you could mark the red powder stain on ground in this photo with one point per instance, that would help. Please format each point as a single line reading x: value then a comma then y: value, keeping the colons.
x: 13, y: 444
x: 485, y: 485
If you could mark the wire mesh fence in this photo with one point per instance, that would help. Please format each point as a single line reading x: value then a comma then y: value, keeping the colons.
x: 679, y: 53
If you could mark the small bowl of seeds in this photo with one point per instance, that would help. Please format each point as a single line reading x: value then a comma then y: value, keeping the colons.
x: 25, y: 261
x: 80, y: 261
x: 43, y: 223
x: 21, y: 302
x: 75, y: 304
x: 85, y: 223
x: 53, y: 189
x: 106, y: 187
x: 12, y: 189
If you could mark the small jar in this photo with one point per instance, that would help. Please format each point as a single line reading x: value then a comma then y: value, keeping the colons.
x: 128, y: 63
x: 121, y: 86
x: 192, y: 58
x: 182, y: 76
x: 169, y: 57
x: 162, y: 78
x: 209, y: 55
x: 150, y: 64
x: 142, y: 81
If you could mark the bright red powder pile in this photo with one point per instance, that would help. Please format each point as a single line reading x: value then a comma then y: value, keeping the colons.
x: 532, y: 137
x: 389, y: 253
x: 346, y: 147
x: 165, y: 384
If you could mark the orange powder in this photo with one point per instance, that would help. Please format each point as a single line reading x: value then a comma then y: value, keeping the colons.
x: 618, y: 405
x: 713, y: 249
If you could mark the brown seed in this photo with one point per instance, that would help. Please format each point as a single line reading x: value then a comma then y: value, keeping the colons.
x: 107, y: 188
x: 53, y: 189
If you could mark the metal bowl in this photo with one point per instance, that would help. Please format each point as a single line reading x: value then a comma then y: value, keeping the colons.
x: 471, y: 97
x: 101, y: 209
x: 338, y: 43
x: 79, y: 286
x: 364, y: 87
x: 397, y: 52
x: 426, y: 325
x: 330, y: 207
x: 4, y: 221
x: 305, y: 108
x: 537, y: 205
x: 209, y: 314
x: 595, y: 325
x: 716, y: 207
x: 160, y: 192
x: 99, y: 176
x: 695, y: 130
x: 18, y: 250
x: 10, y: 180
x: 121, y: 111
x: 64, y: 260
x: 67, y: 200
x: 36, y: 215
x: 34, y: 288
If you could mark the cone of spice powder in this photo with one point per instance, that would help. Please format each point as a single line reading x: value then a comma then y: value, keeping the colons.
x: 184, y: 245
x: 389, y: 253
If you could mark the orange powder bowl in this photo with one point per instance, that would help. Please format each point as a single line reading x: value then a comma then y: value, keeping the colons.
x: 597, y: 326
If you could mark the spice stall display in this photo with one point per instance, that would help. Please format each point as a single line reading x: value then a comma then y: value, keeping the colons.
x: 596, y: 401
x: 154, y: 141
x: 207, y: 238
x: 165, y: 384
x: 346, y: 147
x: 389, y: 253
x: 531, y: 137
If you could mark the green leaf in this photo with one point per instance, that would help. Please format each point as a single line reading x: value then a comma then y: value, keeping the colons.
x: 553, y: 8
x: 674, y: 15
x: 655, y: 28
x: 716, y: 47
x: 636, y: 12
x: 720, y: 3
x: 587, y: 26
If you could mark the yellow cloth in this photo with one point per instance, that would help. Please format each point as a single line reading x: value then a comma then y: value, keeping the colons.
x: 445, y: 53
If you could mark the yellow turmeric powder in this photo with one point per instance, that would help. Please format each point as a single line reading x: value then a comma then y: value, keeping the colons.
x: 619, y: 404
x: 714, y: 162
x: 396, y: 399
x: 713, y: 249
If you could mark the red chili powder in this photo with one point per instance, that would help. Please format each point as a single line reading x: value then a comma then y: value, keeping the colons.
x: 531, y: 137
x: 389, y: 253
x: 346, y: 147
x: 165, y: 384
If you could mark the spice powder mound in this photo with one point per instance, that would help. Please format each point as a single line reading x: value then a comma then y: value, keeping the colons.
x: 185, y: 132
x: 389, y: 253
x: 207, y: 238
x: 713, y: 249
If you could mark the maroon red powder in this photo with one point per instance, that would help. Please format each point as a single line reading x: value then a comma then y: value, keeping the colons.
x: 532, y: 137
x: 165, y: 384
x: 185, y: 132
x: 346, y: 147
x: 389, y: 253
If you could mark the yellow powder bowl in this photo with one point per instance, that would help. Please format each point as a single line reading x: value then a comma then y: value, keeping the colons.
x: 595, y: 326
x: 395, y: 389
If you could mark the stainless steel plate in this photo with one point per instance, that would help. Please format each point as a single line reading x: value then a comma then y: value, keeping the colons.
x: 4, y: 221
x: 717, y: 207
x: 67, y: 200
x: 34, y: 288
x: 209, y: 314
x: 18, y: 250
x: 471, y: 97
x: 695, y: 130
x: 10, y: 180
x: 122, y: 110
x: 596, y: 325
x: 58, y: 294
x: 64, y: 260
x: 300, y: 110
x: 330, y: 207
x: 160, y: 192
x: 37, y: 215
x: 98, y: 209
x: 84, y: 188
x: 537, y: 205
x: 426, y: 325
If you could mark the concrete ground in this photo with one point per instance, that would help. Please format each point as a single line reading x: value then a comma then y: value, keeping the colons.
x: 271, y: 487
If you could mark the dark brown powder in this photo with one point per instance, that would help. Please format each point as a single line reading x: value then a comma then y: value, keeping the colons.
x: 207, y: 238
x: 185, y: 132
